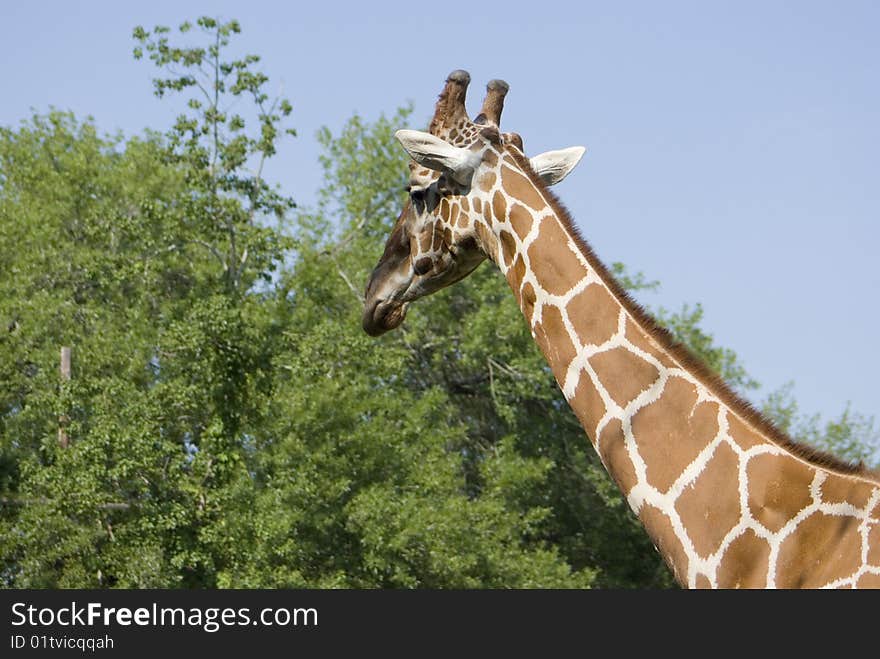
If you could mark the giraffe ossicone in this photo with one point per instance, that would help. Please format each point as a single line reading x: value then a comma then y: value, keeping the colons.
x: 728, y: 499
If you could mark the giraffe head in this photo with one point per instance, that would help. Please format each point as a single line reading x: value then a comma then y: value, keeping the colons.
x: 445, y: 229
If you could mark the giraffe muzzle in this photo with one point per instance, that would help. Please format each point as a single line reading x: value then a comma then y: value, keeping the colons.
x: 383, y: 316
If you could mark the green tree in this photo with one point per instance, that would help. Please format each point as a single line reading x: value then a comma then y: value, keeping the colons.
x: 215, y: 147
x: 146, y: 257
x: 851, y: 436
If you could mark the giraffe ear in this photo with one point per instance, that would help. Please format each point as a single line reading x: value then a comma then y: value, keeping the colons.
x: 437, y: 154
x: 553, y: 166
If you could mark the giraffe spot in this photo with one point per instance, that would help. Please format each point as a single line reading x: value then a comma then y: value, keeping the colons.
x: 487, y: 182
x: 528, y: 302
x: 843, y: 489
x: 745, y: 563
x: 702, y: 582
x: 555, y: 265
x: 425, y: 241
x: 587, y: 404
x: 669, y: 545
x: 487, y: 213
x: 593, y: 313
x: 874, y: 545
x: 453, y: 214
x: 515, y: 277
x: 779, y: 488
x: 508, y: 247
x: 623, y: 374
x: 520, y: 188
x: 823, y: 548
x: 868, y: 580
x: 671, y: 431
x: 478, y: 206
x: 554, y: 341
x: 612, y: 448
x: 643, y: 340
x: 465, y: 206
x: 487, y: 239
x: 520, y: 219
x: 709, y: 507
x: 447, y: 235
x: 490, y: 158
x: 438, y: 239
x: 499, y: 206
x: 744, y: 436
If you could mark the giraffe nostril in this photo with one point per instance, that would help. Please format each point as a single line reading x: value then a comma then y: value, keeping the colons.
x: 423, y: 266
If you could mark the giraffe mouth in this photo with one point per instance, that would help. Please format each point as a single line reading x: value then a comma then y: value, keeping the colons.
x: 383, y: 316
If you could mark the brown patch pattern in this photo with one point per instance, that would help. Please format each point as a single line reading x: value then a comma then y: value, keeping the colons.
x: 515, y: 276
x: 711, y: 504
x: 745, y: 564
x: 520, y: 219
x: 667, y: 542
x: 643, y: 341
x: 587, y: 405
x: 508, y: 247
x: 593, y: 312
x: 557, y: 275
x: 840, y: 489
x: 528, y: 302
x: 488, y: 181
x: 520, y: 188
x: 868, y: 580
x: 453, y: 214
x: 553, y: 338
x: 623, y: 374
x: 779, y: 488
x: 744, y: 436
x: 874, y: 544
x: 665, y: 443
x: 612, y: 448
x: 824, y: 548
x: 499, y: 207
x: 703, y: 582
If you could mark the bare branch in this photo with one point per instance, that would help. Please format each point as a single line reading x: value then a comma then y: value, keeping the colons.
x: 351, y: 286
x: 213, y: 251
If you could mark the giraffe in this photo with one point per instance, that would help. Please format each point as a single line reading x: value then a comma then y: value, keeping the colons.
x: 728, y: 500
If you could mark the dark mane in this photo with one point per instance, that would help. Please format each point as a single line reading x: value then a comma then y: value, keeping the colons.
x: 683, y: 354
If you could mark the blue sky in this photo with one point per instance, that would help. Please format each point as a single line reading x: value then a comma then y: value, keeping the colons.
x: 732, y: 147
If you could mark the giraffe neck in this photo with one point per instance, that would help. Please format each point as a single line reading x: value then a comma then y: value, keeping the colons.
x: 725, y: 502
